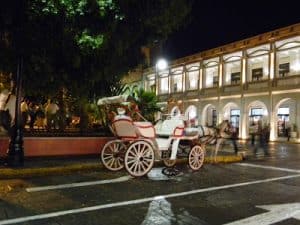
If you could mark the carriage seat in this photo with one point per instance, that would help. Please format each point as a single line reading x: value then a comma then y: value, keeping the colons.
x: 170, y: 127
x: 124, y: 128
x: 145, y: 129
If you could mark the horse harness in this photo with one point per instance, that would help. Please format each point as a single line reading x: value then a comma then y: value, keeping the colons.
x: 8, y: 97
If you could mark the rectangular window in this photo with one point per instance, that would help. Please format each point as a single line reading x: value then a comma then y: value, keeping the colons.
x: 235, y: 112
x: 284, y: 69
x: 215, y: 81
x: 176, y: 85
x: 235, y: 77
x: 163, y: 85
x: 284, y: 111
x: 192, y: 80
x: 256, y: 112
x: 257, y: 74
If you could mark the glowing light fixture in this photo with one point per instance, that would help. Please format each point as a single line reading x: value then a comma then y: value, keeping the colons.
x: 161, y: 64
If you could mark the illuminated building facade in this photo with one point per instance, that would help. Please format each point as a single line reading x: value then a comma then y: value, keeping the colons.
x: 256, y: 79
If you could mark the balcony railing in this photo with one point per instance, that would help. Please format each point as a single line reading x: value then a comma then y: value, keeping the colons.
x: 288, y: 81
x: 260, y: 84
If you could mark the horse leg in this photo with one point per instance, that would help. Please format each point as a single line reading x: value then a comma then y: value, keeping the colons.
x: 218, y: 144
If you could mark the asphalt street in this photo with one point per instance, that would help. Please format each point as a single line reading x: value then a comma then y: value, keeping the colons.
x: 259, y: 190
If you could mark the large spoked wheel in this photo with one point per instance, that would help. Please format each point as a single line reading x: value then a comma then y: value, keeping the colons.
x: 169, y: 162
x: 112, y: 155
x: 139, y: 158
x: 196, y: 157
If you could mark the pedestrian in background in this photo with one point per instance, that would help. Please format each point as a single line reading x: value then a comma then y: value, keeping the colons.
x: 288, y: 132
x: 32, y: 114
x: 253, y: 131
x: 51, y: 110
x: 234, y: 137
x: 24, y: 111
x: 262, y: 143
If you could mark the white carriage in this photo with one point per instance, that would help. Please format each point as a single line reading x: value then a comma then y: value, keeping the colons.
x: 139, y: 144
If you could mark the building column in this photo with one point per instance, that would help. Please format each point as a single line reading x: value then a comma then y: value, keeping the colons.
x: 201, y: 78
x: 244, y: 119
x: 272, y: 66
x: 221, y: 73
x: 243, y: 78
x: 183, y: 79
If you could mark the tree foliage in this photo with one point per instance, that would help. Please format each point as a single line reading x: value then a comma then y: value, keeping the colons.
x: 81, y: 45
x: 147, y: 104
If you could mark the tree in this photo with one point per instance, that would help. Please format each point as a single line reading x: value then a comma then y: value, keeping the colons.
x: 82, y: 45
x: 147, y: 104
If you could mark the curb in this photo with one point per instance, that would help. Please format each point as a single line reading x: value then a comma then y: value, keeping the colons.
x: 8, y: 173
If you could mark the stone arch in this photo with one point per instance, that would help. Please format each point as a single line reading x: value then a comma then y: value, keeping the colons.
x: 175, y: 111
x: 265, y: 117
x: 291, y: 103
x: 191, y: 115
x: 226, y: 110
x: 232, y: 112
x: 209, y: 115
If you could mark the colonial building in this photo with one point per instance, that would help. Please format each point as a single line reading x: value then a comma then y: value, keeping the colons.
x: 256, y: 79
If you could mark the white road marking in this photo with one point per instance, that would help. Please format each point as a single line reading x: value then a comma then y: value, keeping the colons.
x: 139, y: 201
x: 80, y: 184
x: 268, y: 167
x: 277, y: 213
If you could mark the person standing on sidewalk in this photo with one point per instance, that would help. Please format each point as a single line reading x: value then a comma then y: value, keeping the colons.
x: 262, y: 143
x: 253, y: 131
x: 234, y: 137
x: 24, y: 111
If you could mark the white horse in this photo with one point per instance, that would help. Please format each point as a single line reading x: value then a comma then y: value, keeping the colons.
x: 223, y: 132
x: 7, y: 109
x: 214, y: 136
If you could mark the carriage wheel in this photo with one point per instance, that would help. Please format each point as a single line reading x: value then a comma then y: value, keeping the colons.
x: 196, y: 157
x: 112, y: 155
x: 169, y: 162
x: 139, y: 158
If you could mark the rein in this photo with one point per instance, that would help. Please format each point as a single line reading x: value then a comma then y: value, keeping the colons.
x: 8, y: 97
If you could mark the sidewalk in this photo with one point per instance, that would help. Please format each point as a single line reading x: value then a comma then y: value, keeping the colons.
x: 42, y: 166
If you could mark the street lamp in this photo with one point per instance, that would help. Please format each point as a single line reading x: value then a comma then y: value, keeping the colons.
x: 160, y: 65
x: 15, y: 153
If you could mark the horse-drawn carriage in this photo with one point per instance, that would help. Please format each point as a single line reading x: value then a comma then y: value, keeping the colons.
x: 138, y: 144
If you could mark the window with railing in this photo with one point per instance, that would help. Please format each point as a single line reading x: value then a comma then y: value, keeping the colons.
x: 288, y: 57
x: 211, y: 73
x: 150, y: 83
x: 176, y: 79
x: 232, y: 68
x: 163, y: 81
x: 215, y: 80
x: 192, y: 76
x: 235, y: 77
x: 258, y: 63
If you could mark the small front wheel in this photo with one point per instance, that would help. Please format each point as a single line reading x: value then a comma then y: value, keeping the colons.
x: 139, y: 158
x: 112, y: 155
x: 196, y: 157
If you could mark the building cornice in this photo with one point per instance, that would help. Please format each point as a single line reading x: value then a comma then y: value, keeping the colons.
x: 260, y: 39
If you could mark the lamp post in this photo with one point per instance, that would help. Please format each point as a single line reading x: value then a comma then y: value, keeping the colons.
x: 15, y: 153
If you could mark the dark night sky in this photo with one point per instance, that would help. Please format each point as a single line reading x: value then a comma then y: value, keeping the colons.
x: 216, y: 23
